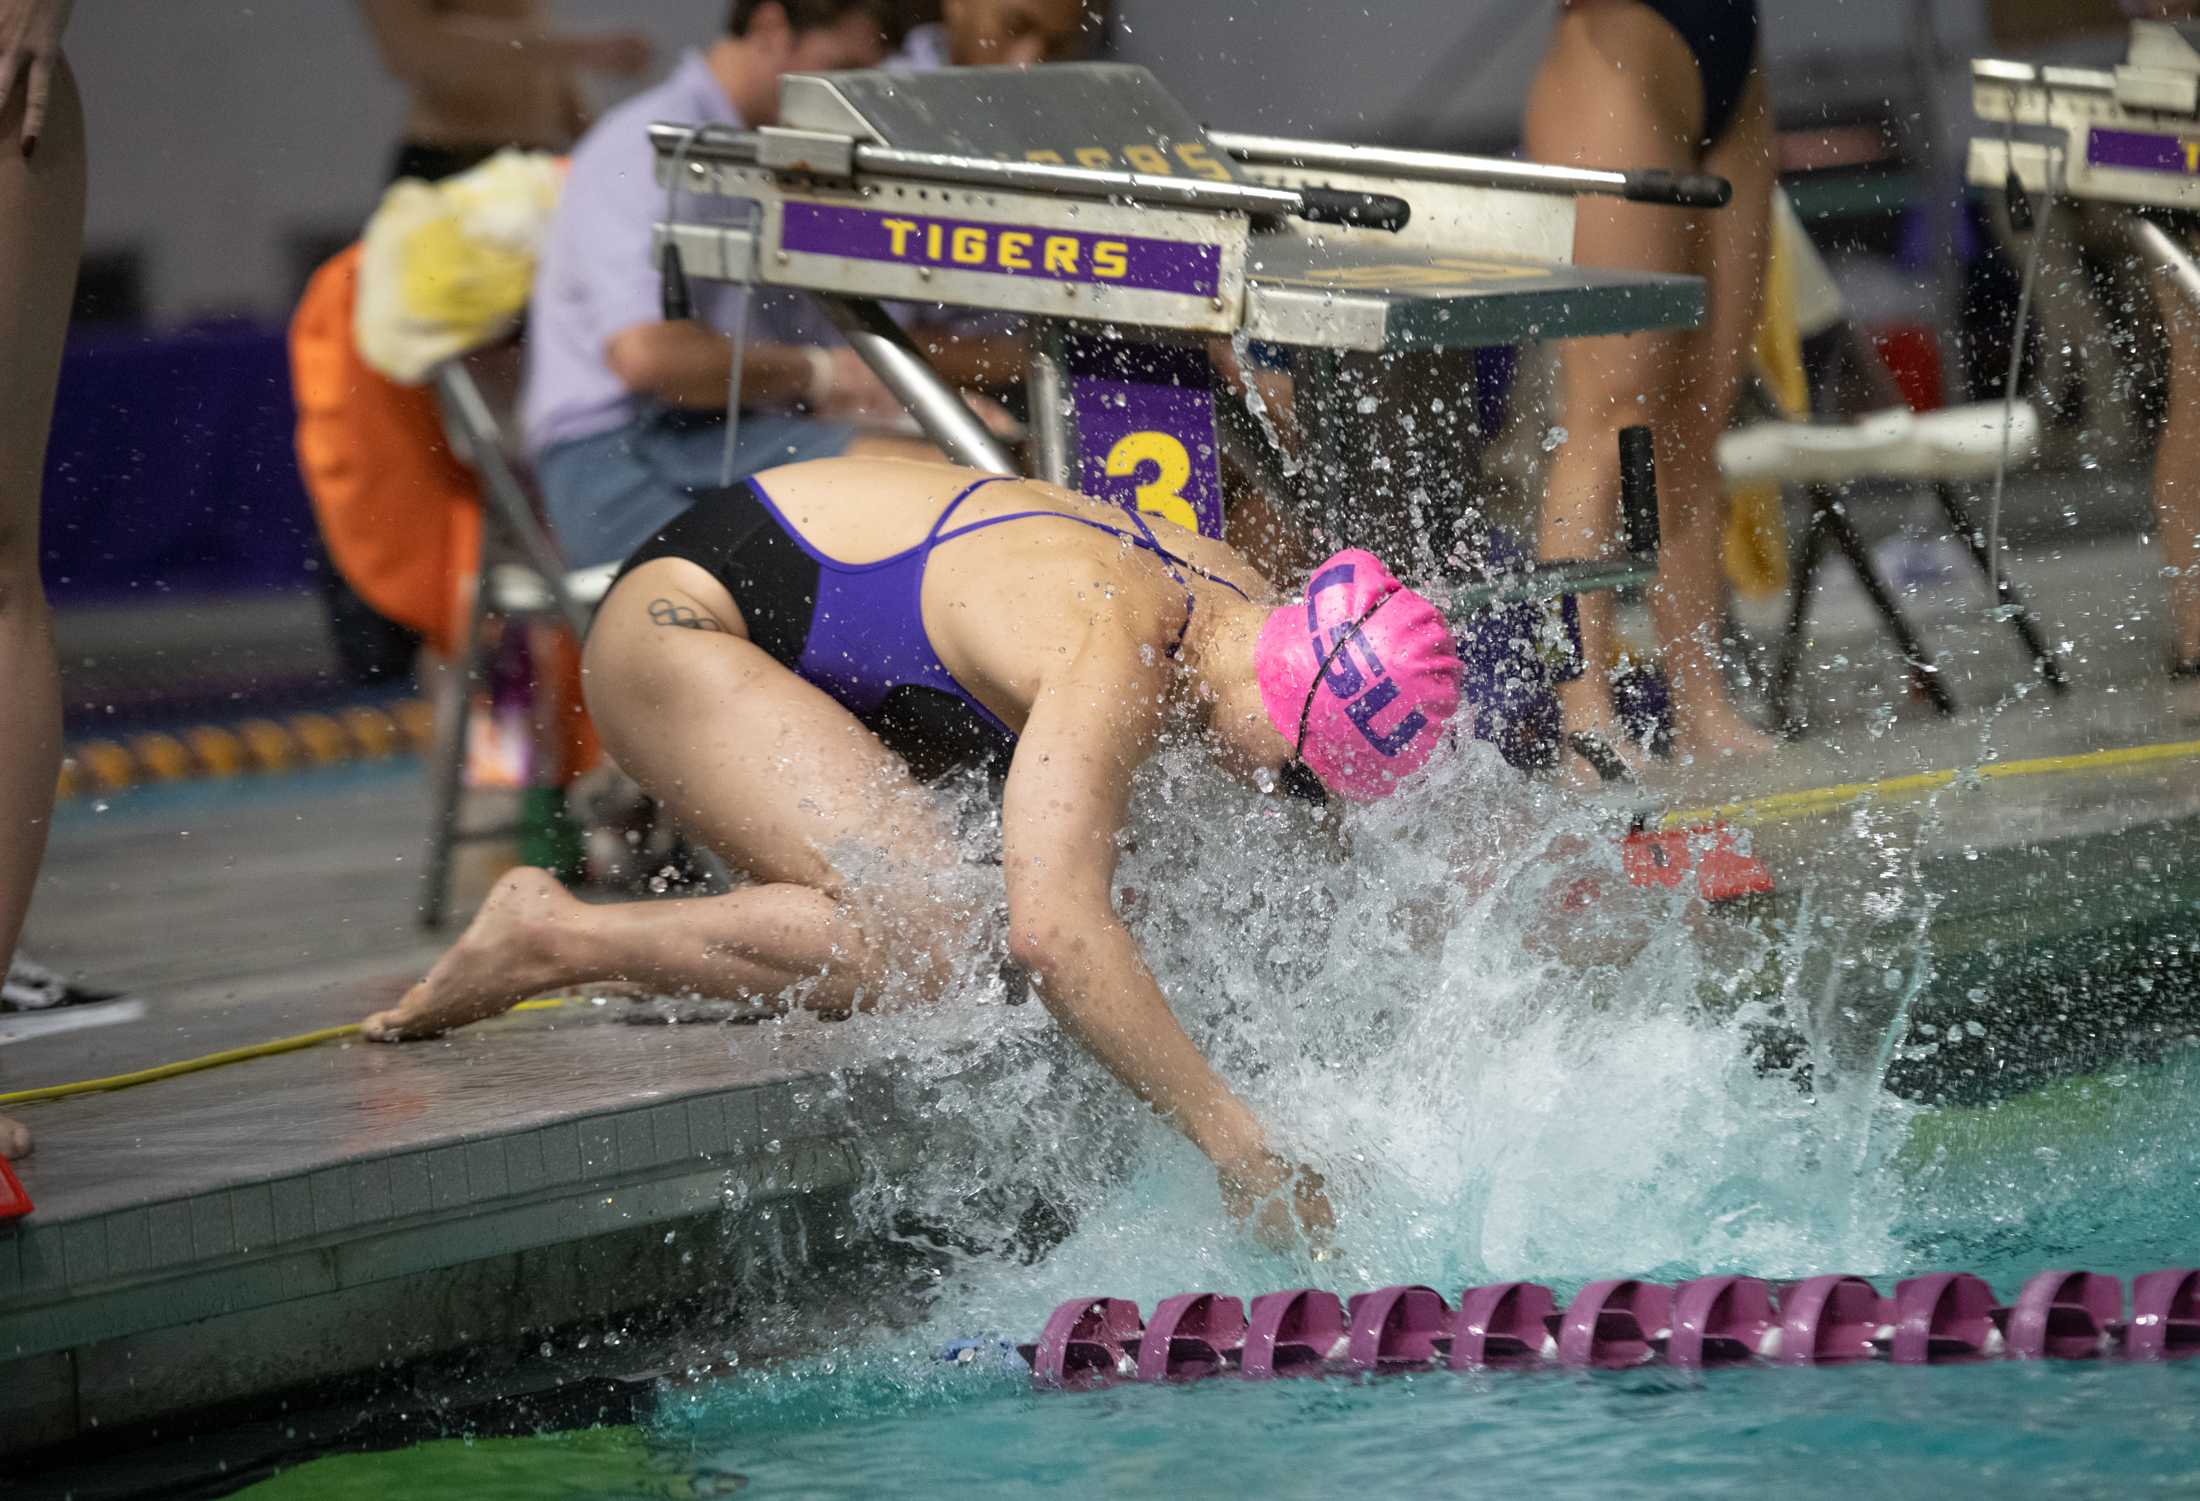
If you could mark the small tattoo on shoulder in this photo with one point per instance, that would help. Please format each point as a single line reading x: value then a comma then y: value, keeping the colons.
x: 686, y: 617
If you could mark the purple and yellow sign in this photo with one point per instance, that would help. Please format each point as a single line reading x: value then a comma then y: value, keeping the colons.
x: 2143, y: 151
x: 1133, y: 261
x: 1145, y: 425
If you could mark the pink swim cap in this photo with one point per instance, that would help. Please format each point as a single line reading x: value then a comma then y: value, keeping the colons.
x: 1382, y: 699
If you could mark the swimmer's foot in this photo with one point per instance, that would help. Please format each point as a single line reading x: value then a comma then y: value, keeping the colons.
x: 15, y: 1138
x: 509, y: 952
x: 1723, y: 736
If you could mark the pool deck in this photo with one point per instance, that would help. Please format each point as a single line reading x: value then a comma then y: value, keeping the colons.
x: 219, y: 1238
x: 278, y: 1222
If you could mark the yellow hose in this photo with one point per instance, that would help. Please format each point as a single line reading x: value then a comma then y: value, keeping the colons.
x: 1781, y: 806
x: 210, y: 1060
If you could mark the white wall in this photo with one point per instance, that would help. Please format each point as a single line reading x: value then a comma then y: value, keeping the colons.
x: 218, y: 127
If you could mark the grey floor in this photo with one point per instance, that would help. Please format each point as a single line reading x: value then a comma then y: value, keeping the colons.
x: 243, y: 915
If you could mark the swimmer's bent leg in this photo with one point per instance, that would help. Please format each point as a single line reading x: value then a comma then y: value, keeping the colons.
x: 532, y: 937
x: 775, y: 777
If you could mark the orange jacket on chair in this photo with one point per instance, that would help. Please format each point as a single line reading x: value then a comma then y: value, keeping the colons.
x: 400, y: 514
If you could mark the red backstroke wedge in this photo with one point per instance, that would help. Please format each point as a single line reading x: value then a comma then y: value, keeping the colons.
x: 14, y: 1202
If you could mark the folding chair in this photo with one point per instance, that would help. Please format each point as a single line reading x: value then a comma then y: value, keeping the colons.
x: 1942, y: 449
x: 521, y: 577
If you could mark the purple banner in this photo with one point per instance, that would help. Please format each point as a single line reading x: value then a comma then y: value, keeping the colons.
x: 2142, y: 151
x: 1152, y: 446
x: 1134, y: 261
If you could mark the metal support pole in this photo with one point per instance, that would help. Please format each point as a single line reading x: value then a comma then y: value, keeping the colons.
x: 2021, y: 616
x: 1046, y: 392
x: 946, y: 419
x: 1248, y: 445
x: 506, y: 496
x: 455, y: 699
x: 2160, y: 246
x: 1805, y: 568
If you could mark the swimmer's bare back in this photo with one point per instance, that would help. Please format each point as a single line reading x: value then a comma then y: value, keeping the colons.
x: 1003, y: 602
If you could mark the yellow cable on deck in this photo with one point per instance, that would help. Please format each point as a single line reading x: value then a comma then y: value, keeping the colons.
x: 210, y: 1060
x: 1781, y: 806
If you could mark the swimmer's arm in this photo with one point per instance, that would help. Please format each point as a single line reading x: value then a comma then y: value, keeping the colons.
x: 1067, y: 797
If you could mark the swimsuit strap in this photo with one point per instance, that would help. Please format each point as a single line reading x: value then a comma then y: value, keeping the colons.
x: 1145, y: 538
x: 1142, y: 543
x: 933, y: 538
x: 1168, y: 561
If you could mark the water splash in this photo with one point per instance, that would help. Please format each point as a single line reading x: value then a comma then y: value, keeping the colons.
x: 1506, y: 1061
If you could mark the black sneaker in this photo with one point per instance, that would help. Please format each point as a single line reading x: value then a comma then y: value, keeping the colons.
x: 30, y: 986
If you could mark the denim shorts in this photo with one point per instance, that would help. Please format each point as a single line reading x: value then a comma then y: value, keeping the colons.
x: 609, y: 493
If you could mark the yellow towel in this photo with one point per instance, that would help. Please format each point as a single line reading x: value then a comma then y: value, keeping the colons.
x: 1756, y: 532
x: 445, y: 268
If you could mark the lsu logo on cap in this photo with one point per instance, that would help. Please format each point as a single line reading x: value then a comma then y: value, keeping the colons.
x: 1364, y: 687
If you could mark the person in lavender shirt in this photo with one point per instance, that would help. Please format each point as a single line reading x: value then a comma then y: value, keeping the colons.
x: 623, y: 408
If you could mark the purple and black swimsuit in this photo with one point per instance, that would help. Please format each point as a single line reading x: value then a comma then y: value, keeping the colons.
x: 856, y: 630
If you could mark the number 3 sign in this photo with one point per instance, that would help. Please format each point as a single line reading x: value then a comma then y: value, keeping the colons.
x: 1145, y: 430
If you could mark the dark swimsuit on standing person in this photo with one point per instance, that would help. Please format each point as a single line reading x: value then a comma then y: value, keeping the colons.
x: 856, y: 630
x: 1722, y: 36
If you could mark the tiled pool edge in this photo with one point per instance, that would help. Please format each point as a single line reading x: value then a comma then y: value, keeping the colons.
x: 151, y: 1311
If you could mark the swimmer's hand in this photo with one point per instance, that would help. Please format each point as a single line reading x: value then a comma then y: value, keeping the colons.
x: 30, y: 45
x: 1255, y: 1194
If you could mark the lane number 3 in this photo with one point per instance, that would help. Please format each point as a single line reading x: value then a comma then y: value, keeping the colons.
x: 1162, y: 495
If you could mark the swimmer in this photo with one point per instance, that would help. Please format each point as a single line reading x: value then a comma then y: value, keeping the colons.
x: 776, y: 660
x: 1673, y: 84
x: 41, y: 235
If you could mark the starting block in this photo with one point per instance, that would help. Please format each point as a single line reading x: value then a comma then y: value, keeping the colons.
x: 2127, y: 135
x: 1087, y: 200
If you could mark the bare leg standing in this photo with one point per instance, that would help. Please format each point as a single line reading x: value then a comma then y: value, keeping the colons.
x: 41, y: 236
x: 1618, y: 88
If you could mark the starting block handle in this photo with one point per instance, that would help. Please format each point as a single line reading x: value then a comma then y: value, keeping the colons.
x: 1638, y: 491
x: 1677, y: 189
x: 942, y: 413
x: 2167, y: 257
x: 1359, y: 210
x: 1642, y: 185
